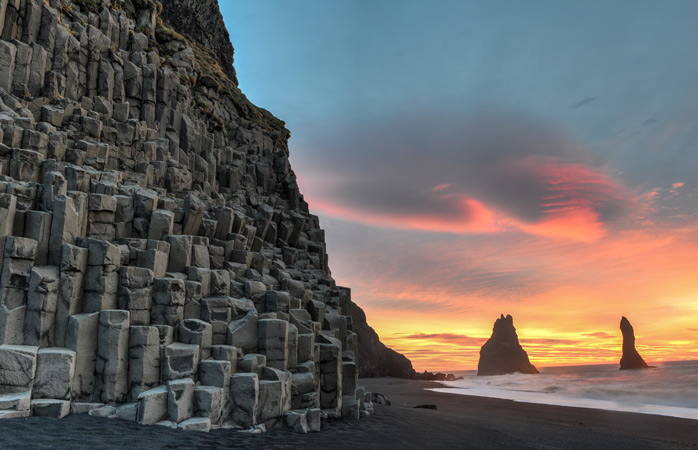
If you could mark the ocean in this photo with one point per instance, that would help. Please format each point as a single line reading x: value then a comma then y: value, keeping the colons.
x: 670, y: 389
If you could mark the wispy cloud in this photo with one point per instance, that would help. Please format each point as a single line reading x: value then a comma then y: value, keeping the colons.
x: 505, y: 173
x: 599, y: 335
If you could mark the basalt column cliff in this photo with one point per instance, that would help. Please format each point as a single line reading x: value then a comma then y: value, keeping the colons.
x: 158, y: 261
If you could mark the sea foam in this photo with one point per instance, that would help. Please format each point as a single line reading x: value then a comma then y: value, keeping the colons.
x: 670, y: 389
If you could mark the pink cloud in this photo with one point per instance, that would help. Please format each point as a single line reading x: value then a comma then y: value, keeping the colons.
x: 574, y: 198
x: 441, y: 187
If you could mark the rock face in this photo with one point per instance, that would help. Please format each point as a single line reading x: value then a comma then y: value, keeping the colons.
x: 502, y: 353
x: 375, y: 359
x: 202, y: 21
x: 631, y: 359
x: 157, y: 260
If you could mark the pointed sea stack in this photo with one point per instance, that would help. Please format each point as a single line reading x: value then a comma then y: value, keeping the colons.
x: 502, y: 353
x: 631, y: 359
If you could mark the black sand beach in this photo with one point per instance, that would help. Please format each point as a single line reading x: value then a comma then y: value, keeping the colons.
x: 459, y: 422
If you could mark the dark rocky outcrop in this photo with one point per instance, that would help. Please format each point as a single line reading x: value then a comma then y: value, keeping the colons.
x: 631, y: 359
x: 155, y: 250
x: 438, y: 376
x: 202, y: 21
x: 502, y: 353
x: 375, y: 359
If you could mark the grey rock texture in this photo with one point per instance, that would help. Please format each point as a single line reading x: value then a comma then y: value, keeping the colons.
x: 158, y: 262
x: 630, y: 359
x: 502, y: 353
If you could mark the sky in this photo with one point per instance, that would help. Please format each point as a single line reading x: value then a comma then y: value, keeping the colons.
x: 469, y: 159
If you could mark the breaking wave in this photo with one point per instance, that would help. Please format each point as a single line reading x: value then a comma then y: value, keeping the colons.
x: 670, y: 389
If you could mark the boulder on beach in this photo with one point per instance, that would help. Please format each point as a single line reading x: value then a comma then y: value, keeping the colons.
x: 631, y: 359
x: 502, y: 354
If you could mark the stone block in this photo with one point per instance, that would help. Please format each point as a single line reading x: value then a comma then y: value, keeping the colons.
x: 154, y: 260
x: 111, y: 368
x: 8, y: 53
x: 215, y: 373
x: 54, y: 184
x: 209, y: 402
x: 243, y: 333
x: 313, y: 416
x: 15, y: 402
x: 273, y: 342
x: 252, y: 363
x: 200, y: 257
x: 65, y: 227
x: 192, y: 300
x: 100, y: 288
x: 350, y: 378
x: 12, y: 316
x: 194, y: 210
x: 220, y: 283
x: 244, y: 399
x: 301, y: 384
x: 197, y: 332
x: 180, y: 253
x: 25, y: 165
x: 350, y: 407
x: 17, y: 368
x: 55, y: 369
x: 179, y: 361
x: 161, y: 223
x: 81, y: 337
x: 20, y: 247
x: 254, y: 288
x: 270, y: 400
x: 70, y: 294
x: 224, y: 224
x: 196, y: 424
x: 101, y: 253
x: 217, y: 312
x: 330, y: 360
x: 302, y: 320
x: 127, y: 411
x: 168, y: 301
x: 277, y: 301
x: 152, y: 406
x: 296, y: 421
x: 37, y: 226
x: 144, y: 360
x: 180, y: 400
x: 292, y: 347
x: 225, y: 353
x: 42, y: 302
x: 285, y: 377
x: 56, y: 409
x: 8, y: 208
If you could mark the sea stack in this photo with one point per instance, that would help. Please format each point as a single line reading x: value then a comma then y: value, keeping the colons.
x: 502, y: 353
x: 631, y: 359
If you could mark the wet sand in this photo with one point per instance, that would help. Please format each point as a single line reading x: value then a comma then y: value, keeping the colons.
x: 459, y: 422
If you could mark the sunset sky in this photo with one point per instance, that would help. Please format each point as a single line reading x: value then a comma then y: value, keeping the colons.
x: 469, y: 159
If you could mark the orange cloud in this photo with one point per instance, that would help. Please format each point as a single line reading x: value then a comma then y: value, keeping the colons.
x: 574, y: 201
x: 469, y: 216
x: 571, y: 315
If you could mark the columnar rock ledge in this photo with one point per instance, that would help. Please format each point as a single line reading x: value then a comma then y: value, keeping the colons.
x: 158, y: 261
